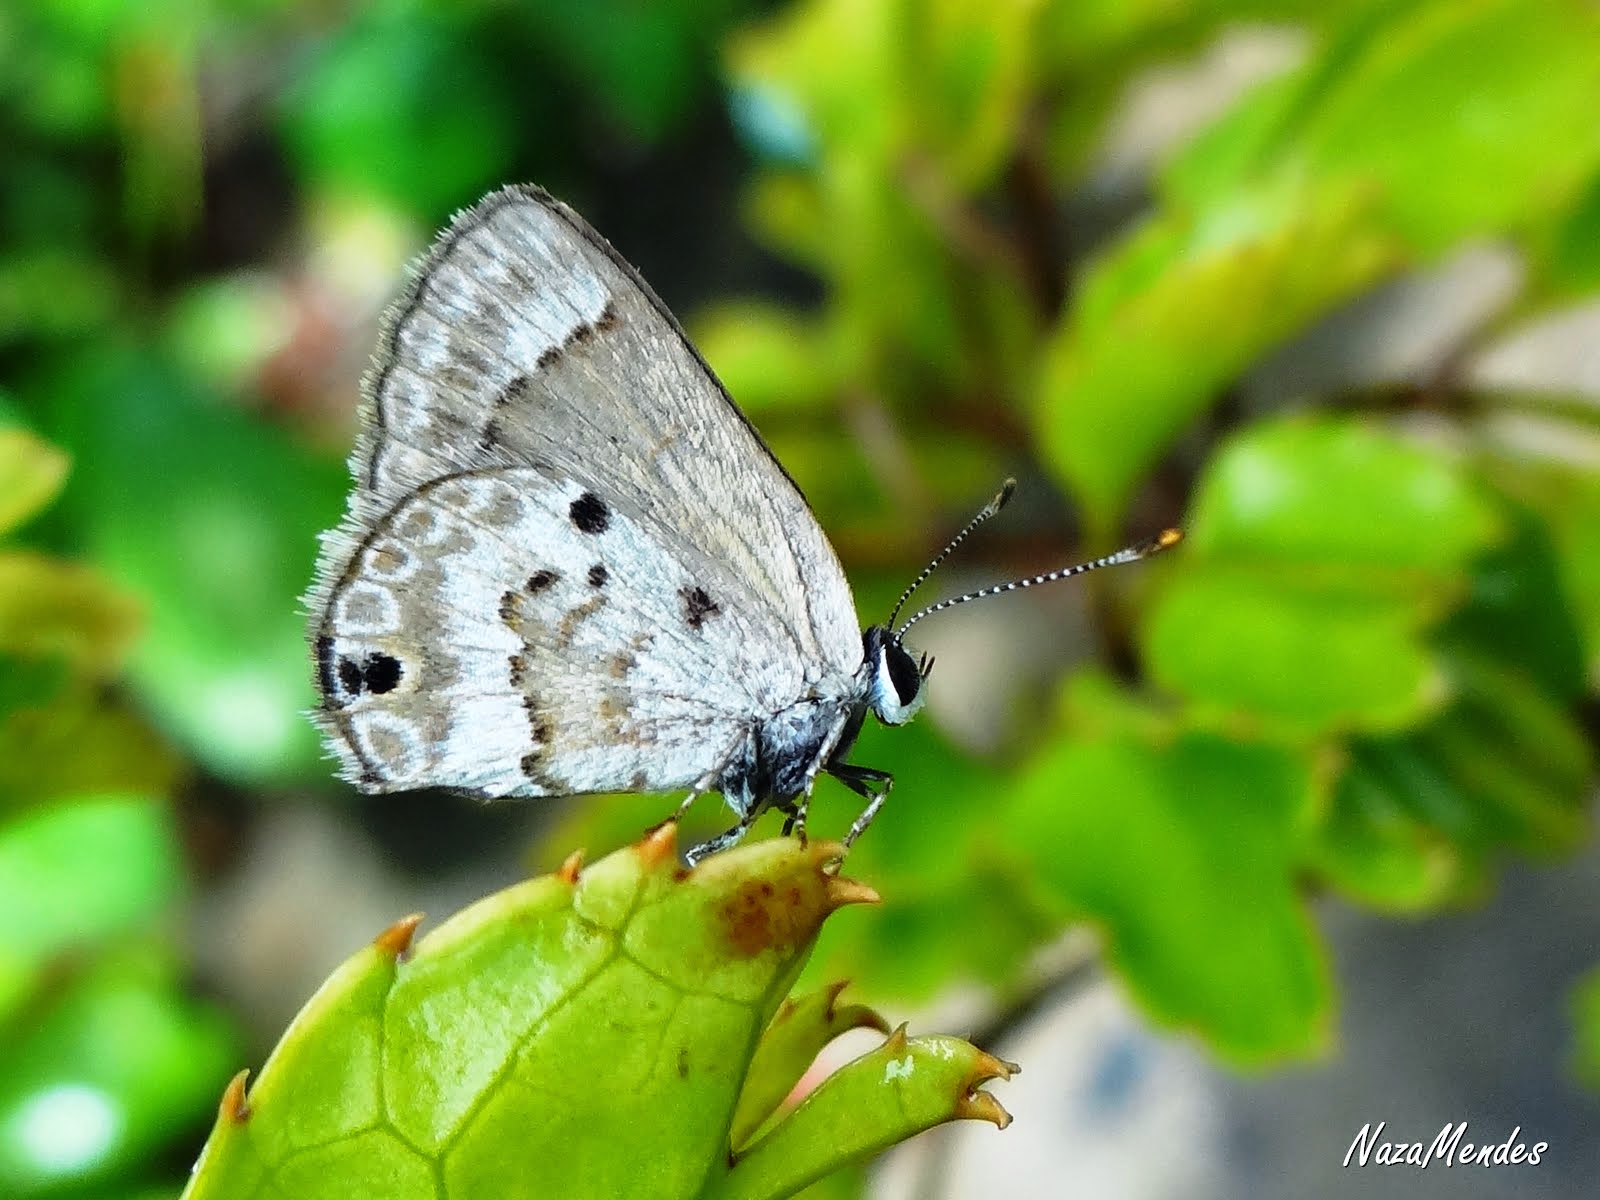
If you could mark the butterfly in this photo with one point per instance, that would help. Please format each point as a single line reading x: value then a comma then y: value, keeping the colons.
x: 571, y: 565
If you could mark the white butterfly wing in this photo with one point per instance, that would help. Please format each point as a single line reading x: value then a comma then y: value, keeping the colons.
x: 525, y: 337
x: 536, y: 419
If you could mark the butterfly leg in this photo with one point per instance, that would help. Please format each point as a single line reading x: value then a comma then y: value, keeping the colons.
x: 699, y: 789
x: 798, y: 809
x: 724, y: 840
x: 870, y: 782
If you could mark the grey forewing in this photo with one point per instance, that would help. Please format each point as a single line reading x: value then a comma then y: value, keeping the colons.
x: 592, y: 378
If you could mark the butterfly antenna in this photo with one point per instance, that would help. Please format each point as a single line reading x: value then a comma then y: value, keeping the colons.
x: 1164, y: 540
x: 990, y: 509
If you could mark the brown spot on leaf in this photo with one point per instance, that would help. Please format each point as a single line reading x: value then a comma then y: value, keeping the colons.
x: 757, y: 917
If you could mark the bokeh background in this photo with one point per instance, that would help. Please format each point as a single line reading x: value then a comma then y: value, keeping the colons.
x: 1238, y: 850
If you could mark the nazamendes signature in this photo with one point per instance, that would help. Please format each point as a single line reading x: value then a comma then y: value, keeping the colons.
x: 1449, y: 1147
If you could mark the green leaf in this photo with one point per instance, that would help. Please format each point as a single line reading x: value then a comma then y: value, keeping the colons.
x: 1494, y: 96
x: 885, y: 1096
x: 1166, y: 319
x: 1414, y: 819
x: 1252, y: 642
x: 1518, y: 609
x: 55, y: 610
x: 1343, y: 499
x: 210, y: 519
x: 595, y: 1027
x: 97, y: 1081
x: 800, y: 1028
x: 403, y: 107
x: 969, y: 80
x: 31, y: 473
x: 1572, y: 249
x: 1181, y: 850
x: 78, y: 872
x: 1374, y: 849
x: 81, y: 741
x: 767, y: 357
x: 1319, y: 553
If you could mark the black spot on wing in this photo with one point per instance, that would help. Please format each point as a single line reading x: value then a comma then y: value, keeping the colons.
x: 590, y: 514
x: 598, y: 575
x: 539, y: 580
x: 381, y: 673
x: 697, y: 606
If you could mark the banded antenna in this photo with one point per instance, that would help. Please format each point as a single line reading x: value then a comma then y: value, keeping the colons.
x: 989, y: 510
x: 1164, y: 540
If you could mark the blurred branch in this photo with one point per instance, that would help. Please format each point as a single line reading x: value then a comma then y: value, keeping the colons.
x: 1041, y: 235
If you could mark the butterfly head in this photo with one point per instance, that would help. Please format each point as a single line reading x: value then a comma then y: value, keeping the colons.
x: 895, y: 681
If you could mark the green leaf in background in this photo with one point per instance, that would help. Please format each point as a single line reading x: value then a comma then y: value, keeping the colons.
x: 647, y: 64
x: 69, y: 739
x: 75, y: 873
x: 969, y: 82
x: 1319, y: 551
x: 210, y: 520
x: 1307, y: 193
x: 1415, y: 818
x: 1181, y: 851
x: 31, y: 474
x: 879, y: 212
x: 768, y: 357
x: 1305, y: 659
x: 398, y: 104
x: 1572, y: 252
x: 62, y: 611
x: 104, y: 1075
x: 1165, y: 320
x: 1463, y: 118
x: 593, y: 1026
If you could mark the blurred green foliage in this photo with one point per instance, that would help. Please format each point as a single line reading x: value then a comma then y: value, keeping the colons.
x: 1366, y: 673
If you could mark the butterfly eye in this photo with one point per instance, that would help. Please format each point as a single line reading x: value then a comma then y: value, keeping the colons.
x: 902, y: 671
